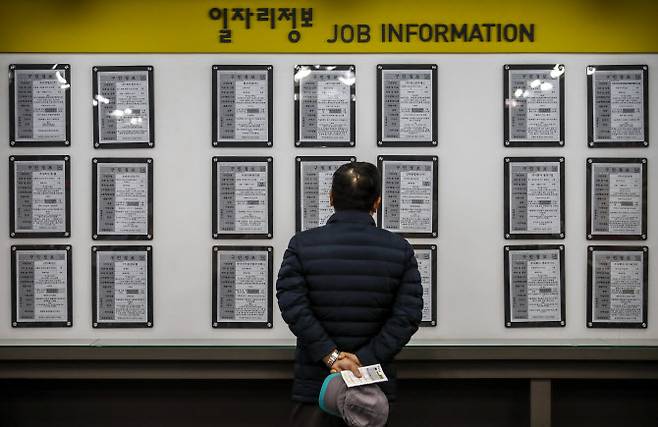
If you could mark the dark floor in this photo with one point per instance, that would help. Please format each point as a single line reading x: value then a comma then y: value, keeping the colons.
x: 451, y: 403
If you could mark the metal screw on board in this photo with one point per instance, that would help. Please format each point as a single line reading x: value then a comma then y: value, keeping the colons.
x: 507, y: 236
x: 214, y: 324
x: 508, y: 324
x: 645, y: 249
x: 148, y: 248
x: 379, y: 143
x: 66, y: 234
x: 149, y: 68
x: 149, y: 324
x: 646, y: 143
x: 67, y: 142
x: 66, y: 158
x: 351, y: 142
x: 645, y: 68
x: 589, y: 161
x: 148, y: 236
x: 561, y: 236
x: 434, y: 67
x: 379, y: 67
x: 97, y: 145
x: 433, y: 234
x: 269, y: 249
x: 298, y: 143
x: 269, y: 160
x: 433, y: 247
x: 591, y: 248
x: 269, y: 67
x: 644, y: 160
x: 644, y: 325
x: 433, y: 322
x: 506, y: 142
x: 12, y: 234
x: 561, y: 248
x: 269, y: 325
x: 68, y: 323
x: 95, y: 236
x: 591, y: 144
x: 12, y: 67
x: 94, y: 249
x: 507, y: 67
x: 95, y: 160
x: 589, y: 236
x: 507, y: 248
x: 215, y: 143
x: 589, y: 324
x: 561, y: 159
x: 563, y: 323
x: 352, y: 159
x: 12, y: 143
x: 68, y: 248
x: 215, y: 235
x: 149, y: 160
x: 13, y: 248
x: 150, y: 144
x: 269, y: 235
x: 95, y: 325
x: 269, y: 143
x: 14, y: 324
x: 299, y: 159
x: 644, y: 237
x: 11, y: 159
x: 215, y: 249
x: 561, y: 142
x: 66, y: 67
x: 215, y: 67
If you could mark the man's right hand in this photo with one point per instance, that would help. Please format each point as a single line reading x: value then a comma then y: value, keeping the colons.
x: 346, y: 364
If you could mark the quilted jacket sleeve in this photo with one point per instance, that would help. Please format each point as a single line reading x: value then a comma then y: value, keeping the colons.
x: 292, y: 295
x: 405, y: 318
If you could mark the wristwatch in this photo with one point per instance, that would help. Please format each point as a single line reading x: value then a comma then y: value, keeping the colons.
x: 332, y: 358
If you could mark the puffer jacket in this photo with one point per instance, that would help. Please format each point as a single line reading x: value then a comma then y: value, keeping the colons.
x: 352, y: 286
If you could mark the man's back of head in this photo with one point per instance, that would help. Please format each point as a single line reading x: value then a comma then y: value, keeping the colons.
x: 355, y: 186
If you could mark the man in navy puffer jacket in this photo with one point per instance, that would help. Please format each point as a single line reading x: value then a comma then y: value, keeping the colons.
x: 349, y: 291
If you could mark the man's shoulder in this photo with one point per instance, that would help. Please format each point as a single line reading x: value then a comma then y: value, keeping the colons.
x: 331, y: 232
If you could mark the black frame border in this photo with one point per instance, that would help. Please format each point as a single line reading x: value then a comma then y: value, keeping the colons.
x: 381, y: 142
x: 563, y: 310
x: 149, y: 286
x: 269, y: 161
x: 645, y: 287
x: 297, y: 87
x: 433, y: 248
x: 508, y: 235
x: 66, y: 68
x: 590, y: 106
x: 435, y: 191
x: 216, y: 142
x: 270, y: 284
x: 588, y: 211
x: 69, y: 286
x: 96, y: 120
x: 12, y: 195
x: 94, y: 198
x: 506, y: 131
x: 298, y: 183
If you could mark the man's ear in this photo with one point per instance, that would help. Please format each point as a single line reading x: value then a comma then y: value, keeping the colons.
x: 377, y: 204
x: 331, y: 199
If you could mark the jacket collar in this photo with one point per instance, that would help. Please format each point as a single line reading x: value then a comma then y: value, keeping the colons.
x: 351, y: 216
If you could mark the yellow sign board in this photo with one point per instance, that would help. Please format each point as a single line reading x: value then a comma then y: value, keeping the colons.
x: 329, y: 26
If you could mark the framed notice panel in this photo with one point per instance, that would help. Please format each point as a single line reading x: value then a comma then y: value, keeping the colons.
x: 122, y: 201
x: 410, y: 195
x: 39, y: 105
x: 534, y: 198
x: 534, y: 286
x: 41, y: 286
x: 242, y: 105
x: 313, y: 177
x: 122, y: 286
x: 123, y: 107
x: 407, y: 102
x: 242, y: 197
x: 617, y: 286
x: 325, y: 105
x: 618, y: 105
x: 426, y: 257
x: 533, y: 105
x: 39, y: 196
x: 616, y: 199
x: 242, y: 287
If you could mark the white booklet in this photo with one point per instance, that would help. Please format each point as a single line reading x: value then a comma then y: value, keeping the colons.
x: 369, y: 375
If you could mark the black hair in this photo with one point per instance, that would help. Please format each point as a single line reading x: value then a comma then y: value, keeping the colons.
x: 355, y: 186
